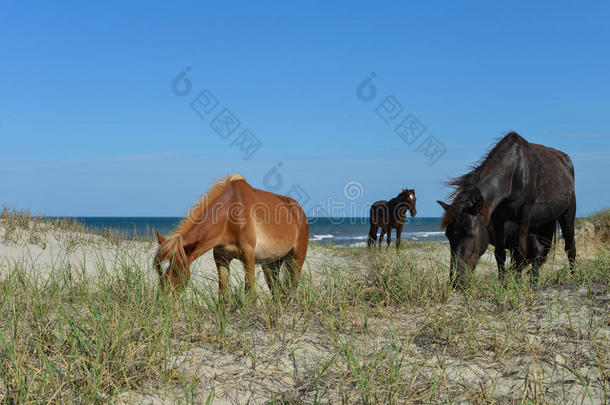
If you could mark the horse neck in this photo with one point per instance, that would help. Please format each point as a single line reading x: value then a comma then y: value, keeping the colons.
x: 396, y: 200
x: 202, y: 236
x: 400, y: 215
x: 493, y: 196
x: 491, y: 200
x: 500, y: 171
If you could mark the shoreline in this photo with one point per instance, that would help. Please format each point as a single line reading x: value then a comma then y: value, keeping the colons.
x: 345, y: 231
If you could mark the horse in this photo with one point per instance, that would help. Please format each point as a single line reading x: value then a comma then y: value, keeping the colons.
x: 389, y: 215
x: 240, y: 222
x: 520, y: 182
x: 539, y: 242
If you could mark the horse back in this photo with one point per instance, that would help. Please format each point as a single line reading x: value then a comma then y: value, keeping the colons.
x: 267, y: 215
x: 540, y: 177
x: 554, y: 162
x: 554, y: 184
x: 380, y: 213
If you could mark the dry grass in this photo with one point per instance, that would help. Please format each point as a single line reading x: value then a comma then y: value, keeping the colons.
x: 21, y: 227
x: 364, y: 327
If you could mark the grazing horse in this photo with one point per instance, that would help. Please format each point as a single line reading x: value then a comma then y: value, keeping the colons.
x: 519, y: 182
x: 389, y: 215
x: 239, y: 222
x: 539, y: 242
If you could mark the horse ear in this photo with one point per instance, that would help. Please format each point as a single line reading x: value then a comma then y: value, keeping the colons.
x: 442, y: 204
x: 160, y: 238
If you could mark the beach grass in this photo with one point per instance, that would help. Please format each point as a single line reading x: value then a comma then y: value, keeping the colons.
x: 367, y: 327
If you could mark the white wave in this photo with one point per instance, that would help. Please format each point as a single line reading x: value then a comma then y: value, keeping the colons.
x: 321, y: 237
x: 428, y: 233
x: 359, y: 240
x: 351, y: 237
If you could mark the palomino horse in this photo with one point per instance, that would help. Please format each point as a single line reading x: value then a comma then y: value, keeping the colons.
x: 389, y: 215
x: 240, y: 222
x: 518, y: 182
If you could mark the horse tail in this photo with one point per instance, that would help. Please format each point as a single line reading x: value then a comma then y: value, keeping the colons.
x: 300, y: 253
x: 554, y: 239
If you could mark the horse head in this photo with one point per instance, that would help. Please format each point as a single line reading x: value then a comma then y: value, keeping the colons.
x: 465, y: 226
x: 171, y: 263
x: 408, y: 197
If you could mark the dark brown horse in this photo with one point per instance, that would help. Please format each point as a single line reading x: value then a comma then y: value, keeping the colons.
x: 392, y: 214
x: 239, y: 222
x: 519, y: 182
x: 539, y: 242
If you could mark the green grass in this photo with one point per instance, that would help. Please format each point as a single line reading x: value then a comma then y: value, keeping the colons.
x: 363, y: 327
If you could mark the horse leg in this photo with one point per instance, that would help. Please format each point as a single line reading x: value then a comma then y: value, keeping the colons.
x: 547, y: 234
x: 222, y: 265
x: 499, y: 251
x: 544, y: 241
x: 535, y: 255
x: 566, y: 221
x: 398, y: 236
x: 372, y: 235
x: 295, y: 260
x: 381, y: 235
x: 389, y: 231
x: 293, y: 273
x: 272, y: 273
x: 522, y: 230
x: 248, y: 260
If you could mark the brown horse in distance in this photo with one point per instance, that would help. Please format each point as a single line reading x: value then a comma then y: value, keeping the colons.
x: 239, y: 222
x: 392, y: 214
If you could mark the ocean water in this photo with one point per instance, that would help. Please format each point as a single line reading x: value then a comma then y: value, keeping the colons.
x: 339, y: 231
x: 354, y: 231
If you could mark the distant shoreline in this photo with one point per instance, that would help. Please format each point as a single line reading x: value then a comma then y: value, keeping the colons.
x: 345, y: 231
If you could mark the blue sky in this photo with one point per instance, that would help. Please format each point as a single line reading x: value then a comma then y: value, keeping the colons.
x: 89, y: 123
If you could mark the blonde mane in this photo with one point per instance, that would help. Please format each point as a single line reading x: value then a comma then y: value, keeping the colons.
x: 198, y: 211
x: 171, y: 249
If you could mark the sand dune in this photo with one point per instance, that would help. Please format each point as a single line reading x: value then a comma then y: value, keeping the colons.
x: 547, y: 344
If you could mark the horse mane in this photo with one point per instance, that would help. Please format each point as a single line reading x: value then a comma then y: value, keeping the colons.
x: 195, y: 214
x: 171, y: 249
x: 464, y: 184
x: 405, y: 191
